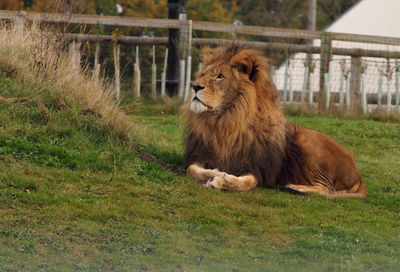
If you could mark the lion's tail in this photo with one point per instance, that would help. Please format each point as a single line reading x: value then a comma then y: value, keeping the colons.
x: 361, y: 192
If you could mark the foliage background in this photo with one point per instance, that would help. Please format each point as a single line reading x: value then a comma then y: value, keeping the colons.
x: 275, y: 13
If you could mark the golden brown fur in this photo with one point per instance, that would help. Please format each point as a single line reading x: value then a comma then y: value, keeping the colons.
x: 238, y: 137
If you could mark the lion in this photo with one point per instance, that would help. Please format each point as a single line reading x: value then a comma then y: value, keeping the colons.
x: 237, y: 136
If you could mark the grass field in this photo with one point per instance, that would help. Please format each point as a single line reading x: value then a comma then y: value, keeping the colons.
x: 74, y: 198
x: 75, y: 195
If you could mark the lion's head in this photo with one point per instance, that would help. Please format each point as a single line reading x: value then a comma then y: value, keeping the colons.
x: 234, y: 109
x: 231, y: 76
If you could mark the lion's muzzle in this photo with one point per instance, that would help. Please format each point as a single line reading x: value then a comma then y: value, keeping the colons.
x: 197, y: 105
x: 197, y: 87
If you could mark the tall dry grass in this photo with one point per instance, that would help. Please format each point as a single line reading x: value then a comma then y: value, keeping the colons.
x: 39, y: 58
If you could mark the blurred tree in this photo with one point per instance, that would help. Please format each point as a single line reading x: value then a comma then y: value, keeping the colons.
x: 144, y: 8
x: 273, y: 13
x: 204, y: 10
x: 57, y: 6
x: 11, y: 4
x: 230, y: 5
x: 288, y: 13
x: 208, y: 10
x: 105, y: 7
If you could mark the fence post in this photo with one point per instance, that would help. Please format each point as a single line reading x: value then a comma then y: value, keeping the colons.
x: 185, y: 44
x: 397, y: 69
x: 96, y: 61
x: 189, y: 60
x: 343, y: 81
x: 175, y: 9
x: 181, y: 83
x: 74, y: 53
x: 19, y: 21
x: 355, y: 84
x: 117, y: 71
x: 328, y: 87
x: 311, y: 91
x: 380, y: 82
x: 71, y: 51
x: 363, y: 93
x: 78, y: 54
x: 154, y: 74
x: 286, y: 82
x: 389, y: 74
x: 290, y: 90
x: 164, y: 73
x: 305, y: 81
x: 327, y: 91
x: 136, y: 75
x: 348, y: 92
x: 187, y: 81
x: 326, y: 44
x: 341, y: 90
x: 389, y: 95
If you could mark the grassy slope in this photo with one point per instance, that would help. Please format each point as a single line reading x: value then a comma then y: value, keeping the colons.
x: 70, y: 199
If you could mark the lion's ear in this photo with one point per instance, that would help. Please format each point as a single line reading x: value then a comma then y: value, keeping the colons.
x: 245, y: 62
x: 206, y: 55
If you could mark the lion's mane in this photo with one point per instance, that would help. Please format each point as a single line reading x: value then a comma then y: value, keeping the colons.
x: 249, y: 134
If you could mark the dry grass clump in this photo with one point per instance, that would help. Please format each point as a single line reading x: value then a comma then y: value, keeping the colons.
x: 39, y: 58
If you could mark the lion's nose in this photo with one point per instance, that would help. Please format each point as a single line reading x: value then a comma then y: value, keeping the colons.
x: 197, y: 87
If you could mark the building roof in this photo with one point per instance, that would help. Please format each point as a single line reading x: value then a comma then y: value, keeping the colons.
x: 370, y: 17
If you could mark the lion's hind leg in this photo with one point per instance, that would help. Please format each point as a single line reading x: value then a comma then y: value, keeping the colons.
x: 358, y: 191
x: 309, y: 189
x: 232, y: 183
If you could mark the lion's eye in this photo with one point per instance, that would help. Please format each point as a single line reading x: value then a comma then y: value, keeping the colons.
x: 220, y: 76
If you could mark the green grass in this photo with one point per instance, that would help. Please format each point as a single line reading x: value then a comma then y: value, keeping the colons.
x: 74, y: 198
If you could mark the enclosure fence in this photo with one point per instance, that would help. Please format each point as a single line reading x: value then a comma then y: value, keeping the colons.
x: 320, y: 69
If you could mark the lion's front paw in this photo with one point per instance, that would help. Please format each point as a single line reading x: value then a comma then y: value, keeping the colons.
x: 215, y: 173
x: 215, y: 183
x: 221, y: 181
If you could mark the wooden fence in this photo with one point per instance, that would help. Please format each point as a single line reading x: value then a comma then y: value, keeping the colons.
x: 325, y: 49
